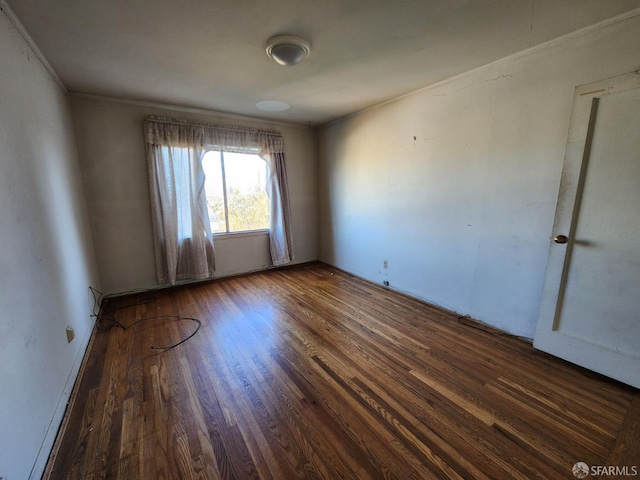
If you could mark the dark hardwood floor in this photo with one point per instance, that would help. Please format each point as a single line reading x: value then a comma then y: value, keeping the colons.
x: 308, y: 372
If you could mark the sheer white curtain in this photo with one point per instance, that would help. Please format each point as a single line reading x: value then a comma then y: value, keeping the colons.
x: 182, y: 234
x: 279, y: 214
x: 183, y: 240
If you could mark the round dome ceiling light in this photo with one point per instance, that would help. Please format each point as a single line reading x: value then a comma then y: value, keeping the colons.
x: 287, y: 50
x: 273, y: 106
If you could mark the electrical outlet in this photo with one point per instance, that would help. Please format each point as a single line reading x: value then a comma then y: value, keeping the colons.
x: 385, y: 264
x: 70, y: 334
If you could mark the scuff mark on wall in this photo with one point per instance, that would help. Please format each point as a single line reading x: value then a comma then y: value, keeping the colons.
x: 533, y: 7
x: 498, y: 78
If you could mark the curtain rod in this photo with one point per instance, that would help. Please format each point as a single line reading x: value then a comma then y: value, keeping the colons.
x: 178, y: 121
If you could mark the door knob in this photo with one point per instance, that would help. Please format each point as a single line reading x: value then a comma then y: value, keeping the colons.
x: 560, y: 239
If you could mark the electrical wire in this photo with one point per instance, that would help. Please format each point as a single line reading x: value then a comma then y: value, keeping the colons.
x: 97, y: 299
x: 106, y: 320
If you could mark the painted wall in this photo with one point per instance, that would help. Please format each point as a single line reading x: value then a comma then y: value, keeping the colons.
x: 112, y: 156
x: 46, y: 258
x: 455, y: 185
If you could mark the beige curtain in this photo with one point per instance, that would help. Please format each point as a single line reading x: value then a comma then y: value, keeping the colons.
x: 184, y: 244
x: 182, y: 235
x: 280, y: 227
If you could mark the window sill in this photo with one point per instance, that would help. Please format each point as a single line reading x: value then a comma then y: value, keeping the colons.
x: 251, y: 233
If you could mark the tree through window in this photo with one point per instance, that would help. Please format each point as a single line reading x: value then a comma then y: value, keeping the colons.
x: 235, y: 189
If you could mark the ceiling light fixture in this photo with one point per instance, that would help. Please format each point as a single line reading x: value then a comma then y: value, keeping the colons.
x: 273, y: 106
x: 287, y: 50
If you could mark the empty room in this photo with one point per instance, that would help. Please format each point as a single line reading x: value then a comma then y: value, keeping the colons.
x: 319, y: 239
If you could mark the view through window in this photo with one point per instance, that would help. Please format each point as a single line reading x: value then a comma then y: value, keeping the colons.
x: 235, y: 190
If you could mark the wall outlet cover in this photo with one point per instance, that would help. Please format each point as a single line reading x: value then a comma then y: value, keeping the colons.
x: 70, y: 334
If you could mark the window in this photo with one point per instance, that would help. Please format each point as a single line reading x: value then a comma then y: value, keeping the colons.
x: 242, y: 192
x: 235, y: 189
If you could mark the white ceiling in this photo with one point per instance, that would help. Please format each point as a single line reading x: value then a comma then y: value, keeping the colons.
x: 210, y: 53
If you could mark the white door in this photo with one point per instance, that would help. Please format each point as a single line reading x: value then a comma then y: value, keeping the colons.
x: 590, y: 310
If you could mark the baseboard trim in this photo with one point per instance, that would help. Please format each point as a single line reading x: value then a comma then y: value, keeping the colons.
x: 501, y: 327
x: 45, y: 460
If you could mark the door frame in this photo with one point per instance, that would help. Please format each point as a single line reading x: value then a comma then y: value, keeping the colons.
x: 599, y: 358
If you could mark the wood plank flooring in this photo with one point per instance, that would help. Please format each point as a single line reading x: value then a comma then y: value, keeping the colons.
x: 311, y: 373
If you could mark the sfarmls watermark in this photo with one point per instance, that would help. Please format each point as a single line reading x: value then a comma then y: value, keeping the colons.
x: 582, y: 470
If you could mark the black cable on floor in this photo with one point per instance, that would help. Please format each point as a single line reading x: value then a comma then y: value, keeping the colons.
x: 106, y: 320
